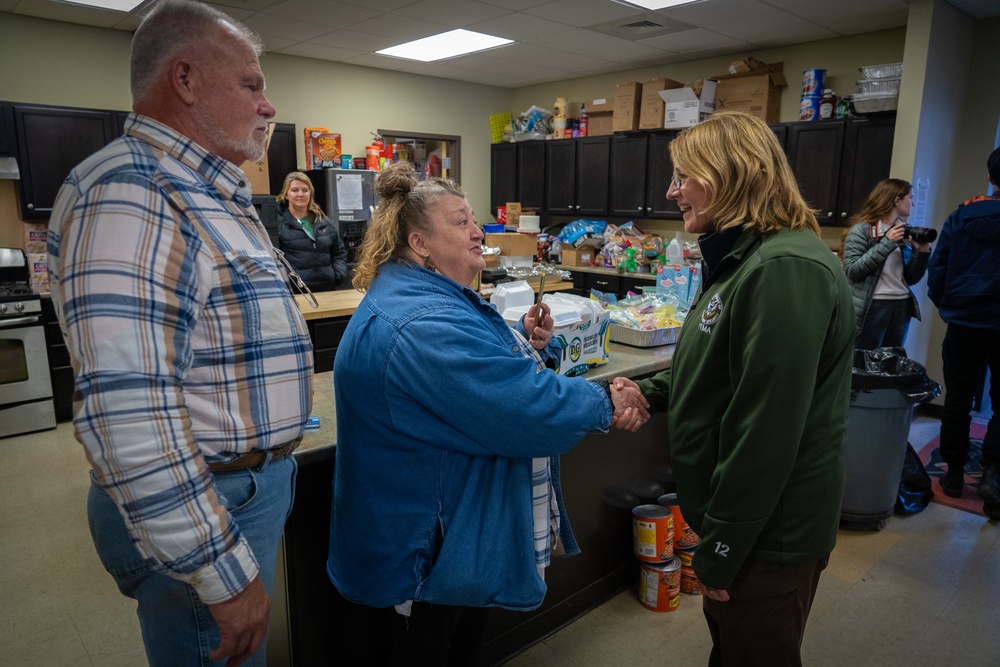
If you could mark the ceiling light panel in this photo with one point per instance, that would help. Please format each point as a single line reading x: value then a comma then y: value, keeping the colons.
x: 449, y: 44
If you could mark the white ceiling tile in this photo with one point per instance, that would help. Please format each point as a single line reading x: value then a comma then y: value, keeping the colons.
x: 235, y: 12
x: 363, y: 42
x: 583, y: 12
x: 275, y: 44
x: 8, y: 5
x: 323, y: 12
x: 446, y: 13
x: 705, y: 14
x: 277, y: 26
x: 627, y: 52
x: 402, y: 28
x: 379, y: 5
x: 759, y: 30
x: 520, y: 27
x: 42, y: 9
x: 572, y: 39
x: 695, y: 40
x: 320, y: 51
x: 243, y: 5
x: 517, y: 5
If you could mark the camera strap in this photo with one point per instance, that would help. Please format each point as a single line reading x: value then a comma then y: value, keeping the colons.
x: 873, y: 232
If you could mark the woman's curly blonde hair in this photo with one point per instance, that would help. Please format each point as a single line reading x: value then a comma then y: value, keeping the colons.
x: 402, y: 208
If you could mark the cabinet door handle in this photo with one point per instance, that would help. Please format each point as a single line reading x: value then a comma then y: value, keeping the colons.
x: 843, y: 215
x: 577, y: 207
x: 648, y: 209
x: 31, y: 207
x: 829, y: 214
x: 640, y: 209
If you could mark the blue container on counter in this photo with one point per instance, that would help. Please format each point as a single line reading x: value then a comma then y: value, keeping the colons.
x: 812, y: 81
x: 809, y: 107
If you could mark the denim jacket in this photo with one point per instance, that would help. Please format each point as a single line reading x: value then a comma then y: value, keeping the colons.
x: 439, y: 414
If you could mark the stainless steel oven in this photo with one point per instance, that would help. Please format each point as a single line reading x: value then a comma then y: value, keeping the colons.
x: 25, y: 387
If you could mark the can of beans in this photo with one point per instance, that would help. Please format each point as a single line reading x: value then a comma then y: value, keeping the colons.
x: 689, y: 581
x: 684, y: 535
x: 660, y: 585
x: 653, y: 533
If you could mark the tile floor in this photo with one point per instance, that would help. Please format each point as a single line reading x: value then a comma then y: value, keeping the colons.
x: 924, y: 591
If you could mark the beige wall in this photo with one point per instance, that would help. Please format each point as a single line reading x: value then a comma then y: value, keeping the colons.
x: 88, y: 67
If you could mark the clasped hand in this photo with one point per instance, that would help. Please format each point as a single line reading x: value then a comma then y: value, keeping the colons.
x: 539, y: 328
x: 631, y: 407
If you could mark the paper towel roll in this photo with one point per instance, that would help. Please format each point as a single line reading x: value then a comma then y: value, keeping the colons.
x: 528, y: 223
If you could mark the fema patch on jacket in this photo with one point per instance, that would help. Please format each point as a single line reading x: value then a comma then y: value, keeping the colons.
x: 713, y: 311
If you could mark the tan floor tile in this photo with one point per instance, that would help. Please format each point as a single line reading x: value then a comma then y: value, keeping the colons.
x: 110, y: 630
x: 46, y: 647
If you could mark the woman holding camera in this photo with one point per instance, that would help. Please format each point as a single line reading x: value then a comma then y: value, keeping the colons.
x: 882, y: 257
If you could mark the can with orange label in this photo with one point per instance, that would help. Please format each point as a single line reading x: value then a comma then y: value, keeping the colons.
x: 653, y: 533
x: 660, y: 585
x: 684, y: 535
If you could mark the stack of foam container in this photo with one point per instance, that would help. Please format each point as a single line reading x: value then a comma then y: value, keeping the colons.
x: 878, y: 90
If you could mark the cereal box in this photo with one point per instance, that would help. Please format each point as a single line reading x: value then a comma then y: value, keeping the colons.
x: 323, y: 149
x: 36, y: 237
x: 38, y: 270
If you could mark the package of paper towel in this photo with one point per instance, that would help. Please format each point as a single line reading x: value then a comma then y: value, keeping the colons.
x: 580, y: 328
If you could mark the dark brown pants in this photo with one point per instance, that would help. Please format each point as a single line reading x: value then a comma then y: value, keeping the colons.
x: 764, y: 619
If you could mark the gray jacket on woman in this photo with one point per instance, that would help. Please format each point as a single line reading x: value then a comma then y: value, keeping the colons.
x: 864, y: 259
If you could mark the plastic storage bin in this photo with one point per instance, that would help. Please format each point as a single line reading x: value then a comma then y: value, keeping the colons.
x: 885, y: 386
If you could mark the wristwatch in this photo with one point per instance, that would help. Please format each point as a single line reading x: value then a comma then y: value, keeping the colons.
x: 603, y: 384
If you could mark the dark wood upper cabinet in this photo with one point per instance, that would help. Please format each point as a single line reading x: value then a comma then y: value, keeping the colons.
x: 659, y: 171
x: 6, y: 129
x: 503, y: 175
x: 628, y: 176
x: 51, y: 141
x: 531, y: 175
x: 560, y: 177
x: 281, y: 157
x: 815, y: 152
x: 866, y: 161
x: 592, y: 181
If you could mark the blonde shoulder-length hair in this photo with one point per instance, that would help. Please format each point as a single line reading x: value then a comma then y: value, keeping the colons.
x: 314, y: 211
x: 737, y: 158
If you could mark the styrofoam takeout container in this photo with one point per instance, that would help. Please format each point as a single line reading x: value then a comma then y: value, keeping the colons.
x: 881, y: 71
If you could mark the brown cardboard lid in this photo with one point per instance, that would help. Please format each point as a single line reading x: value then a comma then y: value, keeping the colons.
x: 776, y: 74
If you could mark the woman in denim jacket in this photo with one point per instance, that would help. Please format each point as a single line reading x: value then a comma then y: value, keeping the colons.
x: 446, y: 486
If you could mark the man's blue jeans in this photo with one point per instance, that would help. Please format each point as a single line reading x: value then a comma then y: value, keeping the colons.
x: 177, y: 628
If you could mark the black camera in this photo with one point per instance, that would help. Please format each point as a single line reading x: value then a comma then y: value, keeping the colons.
x: 920, y: 234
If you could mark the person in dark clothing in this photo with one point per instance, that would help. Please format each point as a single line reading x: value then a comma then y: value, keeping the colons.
x: 964, y: 283
x: 307, y: 237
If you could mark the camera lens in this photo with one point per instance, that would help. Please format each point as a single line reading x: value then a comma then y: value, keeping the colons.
x: 920, y: 234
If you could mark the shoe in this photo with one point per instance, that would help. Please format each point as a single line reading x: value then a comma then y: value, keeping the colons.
x: 991, y: 509
x: 953, y: 482
x: 989, y: 485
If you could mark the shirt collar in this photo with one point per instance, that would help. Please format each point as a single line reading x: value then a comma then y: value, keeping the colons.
x: 227, y: 178
x: 716, y: 245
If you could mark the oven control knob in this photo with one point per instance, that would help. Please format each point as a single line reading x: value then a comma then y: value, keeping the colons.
x: 3, y: 308
x: 19, y: 307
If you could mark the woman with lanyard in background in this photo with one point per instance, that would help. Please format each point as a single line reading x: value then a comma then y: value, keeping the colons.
x: 880, y: 263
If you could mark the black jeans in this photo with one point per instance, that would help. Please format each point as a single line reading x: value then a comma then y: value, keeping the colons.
x: 966, y: 354
x: 436, y: 635
x: 885, y: 324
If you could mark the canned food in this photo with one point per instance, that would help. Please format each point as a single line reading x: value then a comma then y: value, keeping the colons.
x: 660, y: 585
x: 653, y: 533
x: 809, y: 107
x: 684, y: 535
x: 812, y: 81
x: 689, y: 581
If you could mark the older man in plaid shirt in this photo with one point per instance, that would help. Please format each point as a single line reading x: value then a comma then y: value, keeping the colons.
x: 193, y: 364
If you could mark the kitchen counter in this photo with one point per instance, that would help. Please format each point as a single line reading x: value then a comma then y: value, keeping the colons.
x: 623, y: 361
x: 601, y: 270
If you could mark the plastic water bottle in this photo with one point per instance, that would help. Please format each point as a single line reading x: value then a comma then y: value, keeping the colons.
x: 675, y: 252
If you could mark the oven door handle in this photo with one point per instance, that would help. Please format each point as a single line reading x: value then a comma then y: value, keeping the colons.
x: 32, y: 319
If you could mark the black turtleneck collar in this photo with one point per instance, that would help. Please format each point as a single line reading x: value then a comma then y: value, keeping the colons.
x: 715, y: 246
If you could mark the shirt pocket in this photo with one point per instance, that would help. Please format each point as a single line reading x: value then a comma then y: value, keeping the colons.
x: 261, y: 294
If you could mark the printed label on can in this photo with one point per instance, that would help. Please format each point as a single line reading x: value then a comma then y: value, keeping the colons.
x: 653, y: 533
x: 660, y: 585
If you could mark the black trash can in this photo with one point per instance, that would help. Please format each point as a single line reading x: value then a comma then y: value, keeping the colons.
x: 885, y: 385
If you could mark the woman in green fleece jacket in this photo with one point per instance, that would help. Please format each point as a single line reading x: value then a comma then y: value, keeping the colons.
x: 758, y: 392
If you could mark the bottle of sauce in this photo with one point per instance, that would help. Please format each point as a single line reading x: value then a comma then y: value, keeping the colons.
x: 827, y: 104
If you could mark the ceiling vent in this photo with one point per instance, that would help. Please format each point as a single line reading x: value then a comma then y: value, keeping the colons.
x: 641, y: 26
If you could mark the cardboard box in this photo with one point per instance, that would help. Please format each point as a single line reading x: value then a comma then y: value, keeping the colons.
x: 513, y: 244
x: 756, y: 93
x: 683, y: 108
x: 628, y: 100
x: 600, y: 114
x: 324, y: 150
x: 651, y: 109
x: 512, y: 215
x: 580, y: 331
x: 257, y: 172
x: 578, y: 256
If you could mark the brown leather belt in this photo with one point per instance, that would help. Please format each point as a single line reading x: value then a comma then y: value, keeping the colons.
x: 255, y: 458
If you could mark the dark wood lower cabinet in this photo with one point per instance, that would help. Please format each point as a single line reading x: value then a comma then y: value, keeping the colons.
x: 600, y: 487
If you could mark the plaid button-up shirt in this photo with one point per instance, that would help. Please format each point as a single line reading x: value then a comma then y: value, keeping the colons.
x: 186, y: 342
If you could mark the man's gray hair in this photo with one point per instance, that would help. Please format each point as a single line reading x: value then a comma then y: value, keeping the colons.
x: 171, y: 25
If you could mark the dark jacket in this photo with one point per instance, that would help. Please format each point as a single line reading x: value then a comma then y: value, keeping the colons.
x: 757, y: 397
x: 321, y: 263
x: 963, y: 278
x: 864, y: 259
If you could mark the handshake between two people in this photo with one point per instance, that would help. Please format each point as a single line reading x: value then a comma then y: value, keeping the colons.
x: 631, y: 407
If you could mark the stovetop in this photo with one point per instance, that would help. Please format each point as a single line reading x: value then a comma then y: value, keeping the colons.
x: 15, y: 291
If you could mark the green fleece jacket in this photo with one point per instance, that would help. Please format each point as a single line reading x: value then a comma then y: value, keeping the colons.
x: 757, y: 396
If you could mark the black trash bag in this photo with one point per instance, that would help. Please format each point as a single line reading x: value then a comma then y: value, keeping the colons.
x: 914, y: 485
x: 890, y: 368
